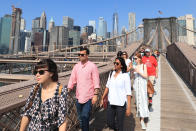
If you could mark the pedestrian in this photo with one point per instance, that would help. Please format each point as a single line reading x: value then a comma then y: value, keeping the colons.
x: 45, y: 109
x: 86, y: 78
x: 119, y: 54
x: 151, y: 64
x: 119, y: 95
x: 140, y: 87
x: 127, y: 61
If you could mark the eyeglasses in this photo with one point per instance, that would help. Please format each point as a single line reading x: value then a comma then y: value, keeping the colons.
x: 41, y: 72
x: 116, y: 63
x: 135, y: 58
x: 81, y: 54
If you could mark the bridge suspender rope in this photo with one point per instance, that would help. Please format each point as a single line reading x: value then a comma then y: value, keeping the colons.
x: 150, y: 40
x: 168, y: 41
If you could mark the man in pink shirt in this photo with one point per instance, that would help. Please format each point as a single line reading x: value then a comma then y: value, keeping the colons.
x: 86, y: 78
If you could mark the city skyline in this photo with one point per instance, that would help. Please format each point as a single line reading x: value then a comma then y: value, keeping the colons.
x: 81, y: 14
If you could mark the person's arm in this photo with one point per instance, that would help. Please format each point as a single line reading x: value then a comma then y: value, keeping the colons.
x: 95, y: 77
x: 62, y: 110
x: 63, y: 126
x: 103, y: 96
x: 128, y: 110
x: 72, y: 79
x: 24, y: 122
x: 128, y: 93
x: 129, y: 67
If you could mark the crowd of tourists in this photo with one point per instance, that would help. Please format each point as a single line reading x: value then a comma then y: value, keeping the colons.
x: 46, y: 110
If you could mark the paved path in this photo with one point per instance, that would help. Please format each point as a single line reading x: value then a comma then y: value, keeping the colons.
x: 177, y: 102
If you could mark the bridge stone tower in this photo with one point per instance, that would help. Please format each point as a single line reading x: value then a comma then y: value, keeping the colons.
x: 158, y: 24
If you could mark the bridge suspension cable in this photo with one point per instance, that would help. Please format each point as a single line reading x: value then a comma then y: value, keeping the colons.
x: 150, y: 40
x: 166, y: 38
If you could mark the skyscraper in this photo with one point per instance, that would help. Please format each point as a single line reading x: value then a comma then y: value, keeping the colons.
x: 68, y: 22
x: 15, y: 30
x: 188, y: 22
x: 59, y: 36
x: 132, y: 27
x: 115, y: 24
x: 22, y: 24
x: 92, y: 23
x: 102, y: 29
x: 74, y: 34
x: 36, y: 23
x: 43, y: 21
x: 105, y: 30
x: 5, y: 29
x: 35, y: 27
x: 88, y: 30
x: 51, y: 24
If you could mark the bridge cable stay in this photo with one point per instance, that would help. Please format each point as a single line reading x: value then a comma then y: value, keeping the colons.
x: 150, y: 40
x: 166, y: 38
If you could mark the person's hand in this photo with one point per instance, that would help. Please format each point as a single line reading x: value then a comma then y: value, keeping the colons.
x: 94, y: 100
x: 128, y: 111
x: 136, y: 70
x: 101, y: 103
x: 69, y: 90
x: 130, y: 65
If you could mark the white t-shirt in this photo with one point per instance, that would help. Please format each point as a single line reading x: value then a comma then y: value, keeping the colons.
x: 119, y: 88
x: 127, y: 61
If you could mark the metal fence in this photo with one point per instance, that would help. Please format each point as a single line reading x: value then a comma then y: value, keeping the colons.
x: 181, y: 61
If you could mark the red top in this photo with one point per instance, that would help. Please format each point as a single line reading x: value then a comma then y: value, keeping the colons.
x: 151, y: 64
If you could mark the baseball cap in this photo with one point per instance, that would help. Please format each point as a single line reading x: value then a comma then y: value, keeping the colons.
x: 147, y: 50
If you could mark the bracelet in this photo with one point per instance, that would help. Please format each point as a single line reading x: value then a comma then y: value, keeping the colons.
x: 95, y: 94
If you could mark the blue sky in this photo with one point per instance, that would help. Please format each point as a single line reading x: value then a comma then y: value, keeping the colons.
x: 84, y: 10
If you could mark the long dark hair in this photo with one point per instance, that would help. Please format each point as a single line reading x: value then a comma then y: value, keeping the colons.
x: 51, y: 65
x: 124, y: 66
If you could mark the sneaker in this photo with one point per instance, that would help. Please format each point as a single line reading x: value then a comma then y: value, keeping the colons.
x: 143, y: 125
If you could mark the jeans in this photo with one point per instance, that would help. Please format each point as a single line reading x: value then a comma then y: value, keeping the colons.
x: 118, y: 112
x: 83, y: 111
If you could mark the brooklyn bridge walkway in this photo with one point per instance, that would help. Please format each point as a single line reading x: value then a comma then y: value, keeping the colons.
x: 174, y: 106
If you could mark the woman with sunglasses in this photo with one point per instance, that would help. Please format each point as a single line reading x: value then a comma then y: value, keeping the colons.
x: 140, y: 87
x: 119, y: 95
x: 45, y: 108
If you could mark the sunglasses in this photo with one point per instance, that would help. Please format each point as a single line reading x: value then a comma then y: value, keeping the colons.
x: 81, y: 54
x: 41, y: 72
x: 135, y: 58
x: 116, y: 63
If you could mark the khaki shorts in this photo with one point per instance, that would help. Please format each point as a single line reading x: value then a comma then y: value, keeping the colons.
x: 152, y: 79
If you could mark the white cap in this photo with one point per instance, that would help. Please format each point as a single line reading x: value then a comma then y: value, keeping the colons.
x: 147, y: 50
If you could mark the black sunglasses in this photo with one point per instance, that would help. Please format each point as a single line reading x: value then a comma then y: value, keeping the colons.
x: 81, y: 54
x: 135, y: 58
x: 116, y: 63
x: 41, y: 72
